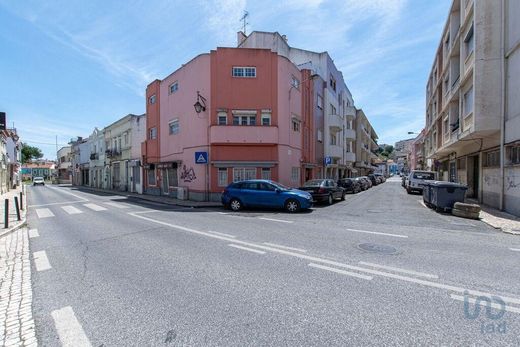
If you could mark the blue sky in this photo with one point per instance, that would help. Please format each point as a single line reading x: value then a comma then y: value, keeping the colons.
x: 68, y: 66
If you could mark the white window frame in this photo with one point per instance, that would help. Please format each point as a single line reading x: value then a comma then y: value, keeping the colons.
x: 174, y: 87
x: 320, y: 135
x: 222, y: 115
x: 295, y: 82
x: 244, y: 118
x: 467, y: 102
x: 295, y: 174
x: 152, y: 134
x: 266, y: 173
x: 174, y: 122
x: 265, y: 115
x: 222, y: 177
x: 295, y: 125
x: 244, y: 173
x: 319, y: 102
x: 333, y: 139
x: 243, y: 71
x: 469, y: 41
x: 152, y: 99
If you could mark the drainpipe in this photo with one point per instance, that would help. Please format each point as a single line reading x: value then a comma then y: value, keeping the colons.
x: 502, y: 104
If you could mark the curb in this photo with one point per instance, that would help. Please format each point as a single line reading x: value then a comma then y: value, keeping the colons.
x: 22, y: 224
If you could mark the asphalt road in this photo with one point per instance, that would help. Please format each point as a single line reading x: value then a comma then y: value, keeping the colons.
x: 376, y: 269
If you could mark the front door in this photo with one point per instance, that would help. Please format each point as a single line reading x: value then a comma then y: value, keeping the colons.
x: 164, y: 186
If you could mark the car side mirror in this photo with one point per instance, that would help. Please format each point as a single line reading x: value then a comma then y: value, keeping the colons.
x: 278, y: 190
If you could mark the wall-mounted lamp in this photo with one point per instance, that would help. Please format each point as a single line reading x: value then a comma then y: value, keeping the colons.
x: 200, y: 105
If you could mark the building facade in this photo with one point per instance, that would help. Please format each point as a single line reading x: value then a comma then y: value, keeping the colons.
x: 39, y: 168
x: 472, y: 132
x: 365, y: 145
x: 98, y: 170
x: 64, y: 166
x: 80, y: 161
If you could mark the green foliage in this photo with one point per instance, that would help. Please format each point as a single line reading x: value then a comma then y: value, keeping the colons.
x: 30, y: 153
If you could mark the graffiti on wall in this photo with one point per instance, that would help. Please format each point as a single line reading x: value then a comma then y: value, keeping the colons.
x: 188, y: 175
x: 511, y: 182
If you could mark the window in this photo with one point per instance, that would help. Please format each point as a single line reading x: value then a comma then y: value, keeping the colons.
x: 333, y: 139
x: 332, y: 83
x: 222, y: 118
x: 119, y: 143
x: 446, y: 126
x: 174, y: 127
x: 245, y: 119
x: 125, y: 136
x: 222, y: 177
x: 266, y: 118
x: 461, y: 163
x: 295, y: 125
x: 151, y: 177
x: 514, y: 155
x: 153, y: 133
x: 243, y: 71
x: 241, y: 173
x: 468, y: 101
x: 174, y: 87
x: 295, y: 174
x: 320, y: 135
x: 172, y: 177
x: 469, y: 42
x: 492, y: 159
x: 332, y: 109
x: 152, y: 99
x: 295, y: 82
x: 266, y: 173
x: 320, y: 102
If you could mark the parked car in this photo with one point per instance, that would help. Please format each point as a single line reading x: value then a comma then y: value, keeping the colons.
x: 415, y: 180
x: 38, y: 181
x: 374, y: 179
x: 381, y: 177
x: 350, y: 185
x: 403, y: 180
x: 369, y: 182
x: 324, y: 190
x: 264, y: 193
x: 363, y: 185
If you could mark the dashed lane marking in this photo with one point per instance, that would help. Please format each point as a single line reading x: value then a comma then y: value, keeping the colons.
x: 33, y: 233
x: 69, y: 329
x: 339, y: 271
x: 276, y: 220
x: 246, y: 249
x: 44, y: 213
x: 285, y: 247
x: 396, y: 269
x: 95, y: 207
x: 377, y: 233
x: 71, y: 209
x: 221, y: 234
x: 41, y: 261
x: 514, y: 249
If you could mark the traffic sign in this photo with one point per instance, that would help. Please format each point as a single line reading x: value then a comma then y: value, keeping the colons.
x: 201, y: 157
x: 328, y: 160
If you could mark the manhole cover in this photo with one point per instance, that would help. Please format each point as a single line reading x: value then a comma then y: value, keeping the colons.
x: 375, y: 248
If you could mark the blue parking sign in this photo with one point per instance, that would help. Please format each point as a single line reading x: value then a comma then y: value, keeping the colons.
x: 328, y: 160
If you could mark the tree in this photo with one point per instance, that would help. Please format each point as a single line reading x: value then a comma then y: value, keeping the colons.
x: 29, y: 153
x: 389, y: 149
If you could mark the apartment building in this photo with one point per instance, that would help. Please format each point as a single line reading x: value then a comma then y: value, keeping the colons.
x: 64, y: 167
x: 99, y: 173
x: 416, y: 158
x: 365, y: 145
x: 472, y: 132
x: 80, y: 161
x: 332, y: 135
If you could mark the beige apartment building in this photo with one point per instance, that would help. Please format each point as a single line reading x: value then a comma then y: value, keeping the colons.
x: 366, y: 145
x: 473, y: 102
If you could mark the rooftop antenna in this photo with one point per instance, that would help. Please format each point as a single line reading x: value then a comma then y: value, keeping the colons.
x: 244, y: 21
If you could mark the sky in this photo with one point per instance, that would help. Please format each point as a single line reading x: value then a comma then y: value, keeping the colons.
x: 69, y: 66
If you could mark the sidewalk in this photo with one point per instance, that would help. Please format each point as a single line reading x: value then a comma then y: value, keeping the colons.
x: 159, y: 199
x: 14, y: 223
x: 500, y: 220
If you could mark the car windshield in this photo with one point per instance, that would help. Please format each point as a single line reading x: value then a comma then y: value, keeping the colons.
x: 280, y: 186
x: 313, y: 183
x: 424, y: 175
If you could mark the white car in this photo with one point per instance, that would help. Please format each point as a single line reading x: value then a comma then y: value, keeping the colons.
x: 38, y: 180
x: 416, y: 180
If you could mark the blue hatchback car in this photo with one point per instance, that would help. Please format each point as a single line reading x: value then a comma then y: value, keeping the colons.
x: 265, y: 193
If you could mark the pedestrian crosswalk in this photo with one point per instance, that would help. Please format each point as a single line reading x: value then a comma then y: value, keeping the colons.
x: 76, y: 209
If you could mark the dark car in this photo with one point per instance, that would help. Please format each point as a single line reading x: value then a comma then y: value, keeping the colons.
x: 350, y: 185
x: 381, y: 178
x: 363, y: 185
x: 264, y: 193
x: 367, y: 180
x: 374, y: 179
x: 324, y: 190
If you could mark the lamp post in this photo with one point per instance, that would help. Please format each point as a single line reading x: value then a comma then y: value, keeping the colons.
x: 200, y: 105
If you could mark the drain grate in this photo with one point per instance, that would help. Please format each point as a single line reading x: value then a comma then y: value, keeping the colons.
x: 376, y: 248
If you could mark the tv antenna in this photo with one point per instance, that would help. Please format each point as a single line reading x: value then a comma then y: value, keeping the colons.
x: 244, y: 21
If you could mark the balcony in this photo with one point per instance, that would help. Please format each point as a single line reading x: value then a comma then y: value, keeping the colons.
x: 350, y: 112
x: 335, y: 122
x: 350, y: 134
x: 350, y: 157
x: 244, y: 134
x: 94, y: 156
x: 112, y: 153
x: 334, y: 151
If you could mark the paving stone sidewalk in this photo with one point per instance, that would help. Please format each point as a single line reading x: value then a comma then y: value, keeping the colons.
x: 16, y: 320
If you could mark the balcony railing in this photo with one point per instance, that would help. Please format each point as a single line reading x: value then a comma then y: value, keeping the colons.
x: 350, y: 134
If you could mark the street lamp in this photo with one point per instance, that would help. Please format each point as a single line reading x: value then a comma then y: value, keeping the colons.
x: 200, y: 105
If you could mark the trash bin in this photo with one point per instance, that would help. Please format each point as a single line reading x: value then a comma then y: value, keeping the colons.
x: 444, y: 194
x: 427, y: 192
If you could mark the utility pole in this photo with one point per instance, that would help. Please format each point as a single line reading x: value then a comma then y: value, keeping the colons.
x: 244, y: 22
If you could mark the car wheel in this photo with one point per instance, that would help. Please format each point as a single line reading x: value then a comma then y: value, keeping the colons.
x: 408, y: 191
x: 343, y: 196
x: 235, y: 205
x: 330, y: 200
x: 292, y: 205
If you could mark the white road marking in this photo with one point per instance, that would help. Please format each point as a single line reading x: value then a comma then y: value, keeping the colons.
x: 396, y: 269
x: 514, y: 249
x: 422, y: 282
x: 57, y: 203
x: 44, y: 213
x: 116, y: 205
x: 276, y: 220
x: 71, y: 209
x: 67, y: 192
x: 221, y: 234
x: 95, y: 207
x: 482, y: 303
x: 69, y: 329
x: 33, y: 233
x: 147, y: 211
x: 246, y: 249
x: 377, y: 233
x: 343, y: 272
x: 285, y: 247
x: 41, y: 261
x: 222, y: 212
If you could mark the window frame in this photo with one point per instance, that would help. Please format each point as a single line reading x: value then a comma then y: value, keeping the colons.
x: 152, y: 99
x: 265, y: 115
x: 221, y: 115
x: 178, y: 128
x: 267, y: 172
x: 220, y: 177
x: 173, y: 88
x: 246, y: 71
x: 152, y: 133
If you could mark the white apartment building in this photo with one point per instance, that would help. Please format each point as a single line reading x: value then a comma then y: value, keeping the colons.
x: 98, y: 170
x: 64, y: 167
x: 365, y: 145
x: 123, y: 140
x: 473, y: 101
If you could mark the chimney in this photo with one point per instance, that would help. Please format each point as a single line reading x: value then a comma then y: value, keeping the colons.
x: 241, y: 37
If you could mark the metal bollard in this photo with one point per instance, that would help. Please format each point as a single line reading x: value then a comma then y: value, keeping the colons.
x: 21, y: 201
x: 17, y: 208
x: 6, y: 214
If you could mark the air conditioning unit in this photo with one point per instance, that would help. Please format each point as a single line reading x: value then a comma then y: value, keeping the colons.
x: 182, y: 193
